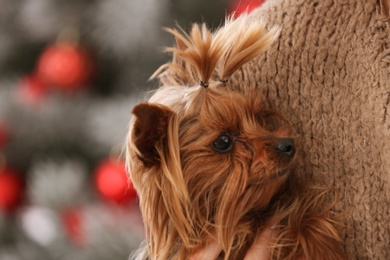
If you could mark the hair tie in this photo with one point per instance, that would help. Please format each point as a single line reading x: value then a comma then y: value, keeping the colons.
x: 223, y: 81
x: 205, y: 85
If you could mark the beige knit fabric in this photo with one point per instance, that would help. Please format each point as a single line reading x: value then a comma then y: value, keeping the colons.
x: 330, y: 73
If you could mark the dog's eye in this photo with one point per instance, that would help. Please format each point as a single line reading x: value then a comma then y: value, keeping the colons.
x: 223, y: 143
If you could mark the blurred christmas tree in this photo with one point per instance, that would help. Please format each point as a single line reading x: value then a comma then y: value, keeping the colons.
x: 70, y: 72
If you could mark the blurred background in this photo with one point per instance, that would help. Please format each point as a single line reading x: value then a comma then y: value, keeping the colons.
x: 70, y: 73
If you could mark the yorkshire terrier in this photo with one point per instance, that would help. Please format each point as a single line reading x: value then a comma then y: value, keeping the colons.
x: 208, y: 160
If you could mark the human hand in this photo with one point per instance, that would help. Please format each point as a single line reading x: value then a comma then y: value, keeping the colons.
x: 260, y: 249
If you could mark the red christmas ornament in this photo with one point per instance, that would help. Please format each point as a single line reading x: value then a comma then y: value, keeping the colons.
x: 10, y: 189
x: 239, y: 7
x: 65, y: 66
x: 3, y: 135
x: 32, y: 90
x: 113, y: 183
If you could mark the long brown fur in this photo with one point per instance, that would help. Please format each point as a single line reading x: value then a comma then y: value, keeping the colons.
x: 188, y: 190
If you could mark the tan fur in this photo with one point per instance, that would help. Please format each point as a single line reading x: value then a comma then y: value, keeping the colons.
x: 198, y: 55
x: 190, y: 191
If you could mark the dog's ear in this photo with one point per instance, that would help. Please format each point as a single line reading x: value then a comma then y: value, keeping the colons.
x: 150, y: 131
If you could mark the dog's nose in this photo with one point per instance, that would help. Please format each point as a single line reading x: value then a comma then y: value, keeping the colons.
x: 285, y: 146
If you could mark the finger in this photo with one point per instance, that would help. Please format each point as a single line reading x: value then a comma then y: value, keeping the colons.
x: 261, y: 250
x: 209, y: 252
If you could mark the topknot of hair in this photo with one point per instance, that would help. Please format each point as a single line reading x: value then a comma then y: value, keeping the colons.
x: 202, y: 57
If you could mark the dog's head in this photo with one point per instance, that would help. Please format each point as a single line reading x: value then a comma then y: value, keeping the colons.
x: 205, y: 158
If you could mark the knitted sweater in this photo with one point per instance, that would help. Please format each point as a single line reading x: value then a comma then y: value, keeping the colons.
x: 329, y: 72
